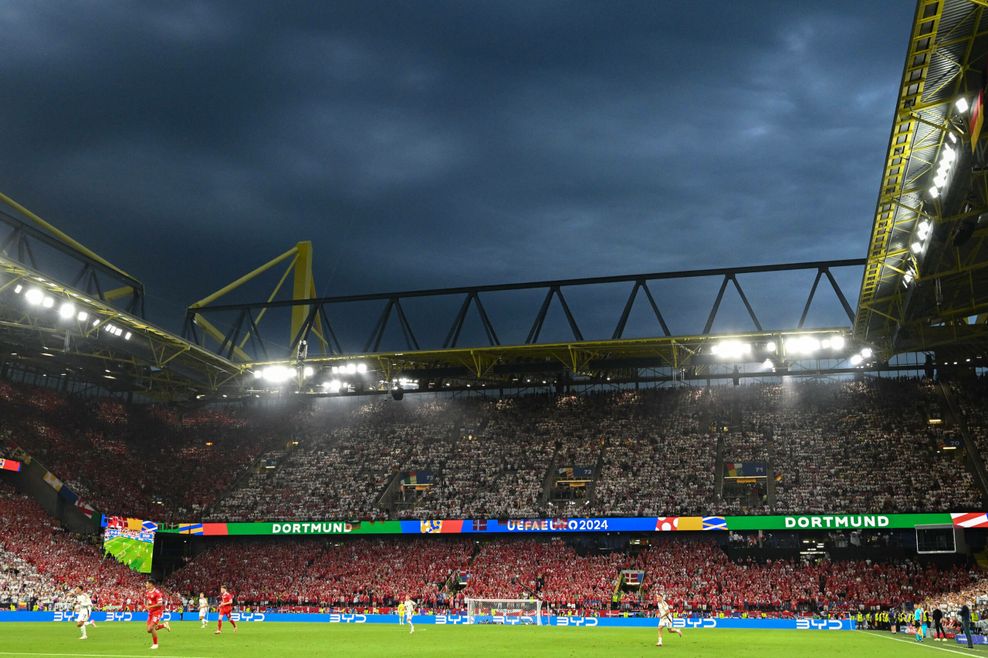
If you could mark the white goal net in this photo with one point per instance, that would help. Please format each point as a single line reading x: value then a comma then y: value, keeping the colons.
x: 514, y: 612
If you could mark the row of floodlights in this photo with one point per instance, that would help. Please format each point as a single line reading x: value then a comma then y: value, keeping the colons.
x: 349, y: 369
x: 797, y: 345
x: 66, y: 310
x: 280, y: 374
x: 948, y: 156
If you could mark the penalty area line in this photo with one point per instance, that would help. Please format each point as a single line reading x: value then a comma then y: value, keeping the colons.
x: 923, y: 644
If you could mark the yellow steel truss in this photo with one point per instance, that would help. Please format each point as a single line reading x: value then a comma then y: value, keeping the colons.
x: 299, y: 260
x: 941, y: 54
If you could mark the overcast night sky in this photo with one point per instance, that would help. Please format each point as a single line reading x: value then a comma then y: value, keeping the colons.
x: 432, y: 144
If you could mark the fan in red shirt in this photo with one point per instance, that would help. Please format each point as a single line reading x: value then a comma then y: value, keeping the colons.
x: 155, y: 606
x: 226, y: 609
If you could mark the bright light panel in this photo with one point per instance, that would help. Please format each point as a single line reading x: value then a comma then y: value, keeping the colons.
x: 731, y: 349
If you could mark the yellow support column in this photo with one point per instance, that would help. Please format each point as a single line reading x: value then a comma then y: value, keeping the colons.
x: 303, y: 286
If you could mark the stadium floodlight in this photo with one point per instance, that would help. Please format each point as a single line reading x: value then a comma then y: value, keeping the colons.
x: 34, y: 296
x: 361, y: 368
x: 82, y: 316
x: 962, y: 105
x: 837, y: 342
x: 351, y: 368
x: 333, y: 385
x: 934, y: 191
x: 277, y: 374
x: 18, y: 288
x: 867, y: 352
x: 804, y: 345
x: 731, y: 349
x: 48, y: 302
x: 308, y: 371
x: 66, y: 310
x: 856, y: 360
x: 127, y: 336
x: 335, y: 370
x: 917, y: 247
x: 771, y: 347
x: 923, y: 229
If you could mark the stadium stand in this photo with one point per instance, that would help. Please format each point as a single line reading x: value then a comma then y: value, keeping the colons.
x: 695, y: 574
x: 835, y: 447
x: 135, y: 460
x: 363, y: 573
x: 42, y: 562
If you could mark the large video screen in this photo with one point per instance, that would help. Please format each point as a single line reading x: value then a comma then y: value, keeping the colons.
x: 130, y: 541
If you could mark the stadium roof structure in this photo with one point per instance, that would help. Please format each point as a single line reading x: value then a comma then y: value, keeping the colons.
x: 89, y: 333
x: 394, y: 346
x: 924, y: 287
x: 925, y: 284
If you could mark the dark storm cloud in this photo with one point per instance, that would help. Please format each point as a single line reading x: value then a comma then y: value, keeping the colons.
x: 436, y: 144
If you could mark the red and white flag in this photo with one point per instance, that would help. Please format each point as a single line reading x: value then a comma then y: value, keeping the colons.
x: 84, y: 508
x: 970, y: 519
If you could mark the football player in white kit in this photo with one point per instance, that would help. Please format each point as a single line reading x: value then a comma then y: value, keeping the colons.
x: 83, y: 611
x: 203, y: 609
x: 409, y: 611
x: 665, y: 618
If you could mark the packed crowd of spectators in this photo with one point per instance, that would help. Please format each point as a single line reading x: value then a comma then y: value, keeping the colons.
x: 40, y: 561
x: 838, y: 446
x: 700, y: 576
x: 663, y: 457
x: 975, y: 596
x: 145, y: 461
x: 695, y: 574
x: 551, y: 571
x: 364, y: 573
x: 970, y: 398
x: 22, y: 587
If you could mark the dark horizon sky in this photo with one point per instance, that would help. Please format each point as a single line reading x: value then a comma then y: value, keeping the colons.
x: 435, y: 144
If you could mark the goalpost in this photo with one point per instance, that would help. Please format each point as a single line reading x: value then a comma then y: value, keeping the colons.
x: 504, y: 611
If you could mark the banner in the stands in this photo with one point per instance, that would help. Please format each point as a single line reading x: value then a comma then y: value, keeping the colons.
x: 9, y: 465
x: 601, y: 524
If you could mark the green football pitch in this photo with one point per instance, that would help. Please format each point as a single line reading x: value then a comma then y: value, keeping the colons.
x: 123, y: 640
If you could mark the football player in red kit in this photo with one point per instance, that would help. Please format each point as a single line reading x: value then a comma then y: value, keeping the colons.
x: 155, y: 606
x: 226, y: 609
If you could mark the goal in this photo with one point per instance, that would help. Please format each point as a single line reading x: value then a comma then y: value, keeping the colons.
x: 505, y: 611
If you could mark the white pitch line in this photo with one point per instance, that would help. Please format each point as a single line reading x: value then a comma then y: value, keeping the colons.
x: 923, y: 644
x: 85, y: 655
